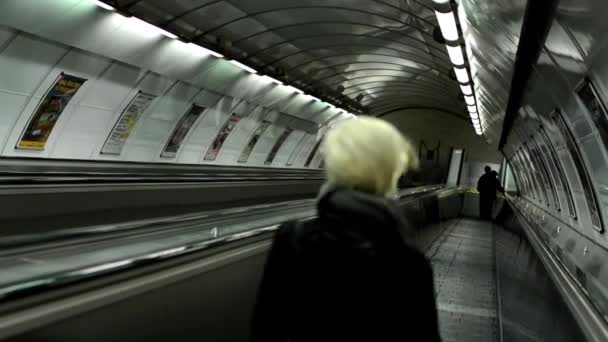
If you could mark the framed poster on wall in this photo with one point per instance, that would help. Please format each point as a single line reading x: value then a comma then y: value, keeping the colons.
x: 127, y: 120
x: 221, y: 136
x: 277, y: 145
x: 48, y: 111
x: 181, y: 130
x: 253, y: 141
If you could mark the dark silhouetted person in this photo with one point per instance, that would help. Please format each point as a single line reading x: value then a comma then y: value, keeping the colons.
x: 349, y: 275
x: 487, y: 186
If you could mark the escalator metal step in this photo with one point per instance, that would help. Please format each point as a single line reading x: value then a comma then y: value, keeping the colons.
x: 463, y: 264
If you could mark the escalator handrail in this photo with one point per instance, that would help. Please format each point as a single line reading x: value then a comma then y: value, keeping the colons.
x: 589, y: 319
x: 51, y: 281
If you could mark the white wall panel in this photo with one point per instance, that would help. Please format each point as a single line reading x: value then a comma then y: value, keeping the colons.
x: 240, y: 135
x: 267, y: 140
x: 307, y: 146
x: 316, y: 161
x: 119, y: 59
x: 22, y: 72
x: 95, y: 115
x: 75, y: 63
x: 190, y: 152
x: 150, y: 83
x: 204, y: 133
x: 296, y: 152
x: 6, y: 35
x: 288, y: 148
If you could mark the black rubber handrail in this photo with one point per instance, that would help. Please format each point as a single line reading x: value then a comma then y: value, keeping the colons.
x: 45, y: 282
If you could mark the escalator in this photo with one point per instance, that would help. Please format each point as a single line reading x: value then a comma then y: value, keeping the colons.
x: 198, y: 279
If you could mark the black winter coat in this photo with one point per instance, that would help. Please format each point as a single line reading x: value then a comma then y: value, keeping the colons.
x: 346, y: 276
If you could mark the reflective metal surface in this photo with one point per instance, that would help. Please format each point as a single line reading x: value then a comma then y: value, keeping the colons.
x: 491, y: 30
x: 322, y: 46
x: 463, y: 265
x: 33, y: 263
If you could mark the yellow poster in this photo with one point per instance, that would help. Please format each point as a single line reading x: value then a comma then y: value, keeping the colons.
x: 48, y: 112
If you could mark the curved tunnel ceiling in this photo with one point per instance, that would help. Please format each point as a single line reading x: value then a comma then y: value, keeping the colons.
x: 373, y: 54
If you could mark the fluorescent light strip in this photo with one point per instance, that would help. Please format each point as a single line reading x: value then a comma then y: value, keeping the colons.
x: 455, y: 53
x: 272, y: 79
x: 292, y: 88
x: 149, y: 28
x: 243, y: 66
x: 466, y: 89
x: 447, y: 24
x: 314, y: 97
x: 470, y: 100
x: 195, y: 48
x: 103, y: 5
x: 462, y: 75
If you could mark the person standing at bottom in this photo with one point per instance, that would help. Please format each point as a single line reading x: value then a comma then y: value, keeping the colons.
x: 487, y: 186
x: 349, y: 275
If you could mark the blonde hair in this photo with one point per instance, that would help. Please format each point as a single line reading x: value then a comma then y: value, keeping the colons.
x: 367, y: 154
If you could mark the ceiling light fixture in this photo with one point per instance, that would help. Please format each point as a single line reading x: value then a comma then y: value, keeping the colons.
x: 292, y: 88
x: 145, y: 27
x: 447, y: 25
x: 470, y: 100
x: 195, y: 48
x: 456, y: 56
x: 272, y: 79
x: 462, y: 76
x: 243, y: 66
x: 103, y: 5
x: 466, y: 89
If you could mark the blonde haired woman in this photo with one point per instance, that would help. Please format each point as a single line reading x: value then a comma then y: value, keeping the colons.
x: 348, y: 275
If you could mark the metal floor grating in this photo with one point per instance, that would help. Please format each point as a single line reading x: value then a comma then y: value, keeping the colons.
x: 465, y: 285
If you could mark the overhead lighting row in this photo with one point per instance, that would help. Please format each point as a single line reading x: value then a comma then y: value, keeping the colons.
x: 144, y: 26
x: 454, y: 44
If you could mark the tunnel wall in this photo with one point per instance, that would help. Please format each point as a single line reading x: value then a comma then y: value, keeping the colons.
x: 558, y: 147
x: 428, y: 128
x: 118, y: 61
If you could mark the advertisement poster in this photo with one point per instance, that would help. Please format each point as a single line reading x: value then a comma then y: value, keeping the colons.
x: 277, y: 146
x: 312, y: 153
x: 181, y: 130
x: 254, y: 140
x: 121, y: 131
x: 222, y: 135
x: 48, y: 112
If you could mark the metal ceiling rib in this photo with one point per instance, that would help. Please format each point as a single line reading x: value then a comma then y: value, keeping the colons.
x: 376, y: 48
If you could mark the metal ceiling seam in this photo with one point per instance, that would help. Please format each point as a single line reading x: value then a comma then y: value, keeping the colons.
x: 389, y: 95
x: 385, y: 93
x: 282, y: 9
x: 335, y: 47
x: 405, y: 87
x: 386, y: 81
x: 298, y: 66
x: 386, y: 100
x: 365, y: 36
x: 430, y: 83
x: 414, y: 107
x: 412, y: 79
x: 376, y: 62
x: 371, y: 70
x: 340, y: 22
x: 282, y: 58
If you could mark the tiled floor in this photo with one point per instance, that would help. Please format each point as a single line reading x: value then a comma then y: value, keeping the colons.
x: 463, y: 264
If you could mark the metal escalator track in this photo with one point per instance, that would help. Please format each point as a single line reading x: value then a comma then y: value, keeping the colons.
x: 465, y: 283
